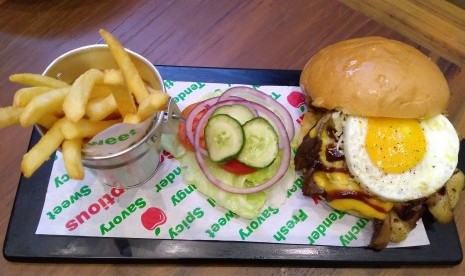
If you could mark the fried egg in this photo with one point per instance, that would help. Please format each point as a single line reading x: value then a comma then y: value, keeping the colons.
x: 400, y: 159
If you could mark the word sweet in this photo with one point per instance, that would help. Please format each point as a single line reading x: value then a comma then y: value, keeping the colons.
x: 181, y: 96
x: 182, y: 194
x: 352, y: 234
x: 113, y: 140
x: 169, y: 179
x: 84, y: 191
x: 104, y: 202
x: 325, y: 225
x: 222, y: 221
x: 185, y: 223
x: 255, y: 223
x: 283, y: 231
x: 60, y: 180
x: 125, y: 213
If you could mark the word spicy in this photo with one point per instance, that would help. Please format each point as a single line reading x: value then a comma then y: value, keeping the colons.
x: 197, y: 213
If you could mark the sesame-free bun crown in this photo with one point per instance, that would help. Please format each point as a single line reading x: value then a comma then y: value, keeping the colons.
x: 375, y: 76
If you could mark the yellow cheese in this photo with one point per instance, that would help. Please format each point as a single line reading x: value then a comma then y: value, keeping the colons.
x: 336, y: 182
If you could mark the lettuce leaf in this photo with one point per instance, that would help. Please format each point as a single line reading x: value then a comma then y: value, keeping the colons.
x: 247, y: 206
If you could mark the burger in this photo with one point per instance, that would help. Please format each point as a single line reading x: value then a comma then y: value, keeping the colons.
x: 377, y: 143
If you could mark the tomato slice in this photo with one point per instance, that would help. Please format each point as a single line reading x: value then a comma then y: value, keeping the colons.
x: 237, y: 167
x: 182, y: 135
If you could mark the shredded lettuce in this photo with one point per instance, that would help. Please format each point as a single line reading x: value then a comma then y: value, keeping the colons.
x: 246, y: 206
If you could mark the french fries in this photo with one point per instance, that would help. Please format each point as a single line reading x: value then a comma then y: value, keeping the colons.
x: 24, y: 95
x: 84, y: 128
x: 71, y: 114
x: 37, y: 80
x: 72, y: 156
x: 123, y: 98
x: 74, y: 105
x: 135, y: 83
x: 153, y: 103
x: 9, y: 116
x: 100, y: 91
x: 41, y: 152
x: 48, y: 102
x: 100, y: 108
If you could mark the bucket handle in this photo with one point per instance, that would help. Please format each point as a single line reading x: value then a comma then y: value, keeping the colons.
x: 169, y: 123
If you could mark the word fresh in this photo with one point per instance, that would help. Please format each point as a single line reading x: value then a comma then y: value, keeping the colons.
x: 290, y: 224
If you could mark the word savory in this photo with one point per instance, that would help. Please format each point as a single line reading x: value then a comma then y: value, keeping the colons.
x: 125, y: 213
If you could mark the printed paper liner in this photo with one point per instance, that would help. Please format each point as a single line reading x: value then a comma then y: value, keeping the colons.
x: 166, y: 208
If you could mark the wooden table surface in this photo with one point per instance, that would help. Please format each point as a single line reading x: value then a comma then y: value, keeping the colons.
x: 216, y: 33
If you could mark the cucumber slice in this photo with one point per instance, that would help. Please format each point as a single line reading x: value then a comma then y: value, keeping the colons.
x: 237, y: 111
x: 224, y: 137
x: 261, y: 145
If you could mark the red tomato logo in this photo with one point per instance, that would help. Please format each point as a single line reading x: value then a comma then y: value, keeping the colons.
x: 296, y: 99
x: 152, y: 218
x: 165, y: 155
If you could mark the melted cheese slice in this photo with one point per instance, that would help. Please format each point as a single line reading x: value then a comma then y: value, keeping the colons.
x: 344, y: 194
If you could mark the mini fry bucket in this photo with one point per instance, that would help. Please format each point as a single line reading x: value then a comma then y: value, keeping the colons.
x: 136, y: 164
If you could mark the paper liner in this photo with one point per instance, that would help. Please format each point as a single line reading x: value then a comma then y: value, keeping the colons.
x: 167, y: 208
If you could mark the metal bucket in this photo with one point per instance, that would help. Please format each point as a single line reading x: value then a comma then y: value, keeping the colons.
x: 136, y: 164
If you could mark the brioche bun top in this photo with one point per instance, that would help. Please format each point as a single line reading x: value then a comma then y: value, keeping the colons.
x: 375, y: 76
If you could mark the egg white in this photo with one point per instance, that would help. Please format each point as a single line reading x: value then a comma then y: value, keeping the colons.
x: 428, y: 176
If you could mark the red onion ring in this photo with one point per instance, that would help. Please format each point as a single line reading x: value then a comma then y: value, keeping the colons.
x: 286, y: 158
x: 251, y: 94
x: 190, y: 119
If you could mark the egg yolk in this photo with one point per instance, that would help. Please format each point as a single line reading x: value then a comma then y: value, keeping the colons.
x: 395, y: 145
